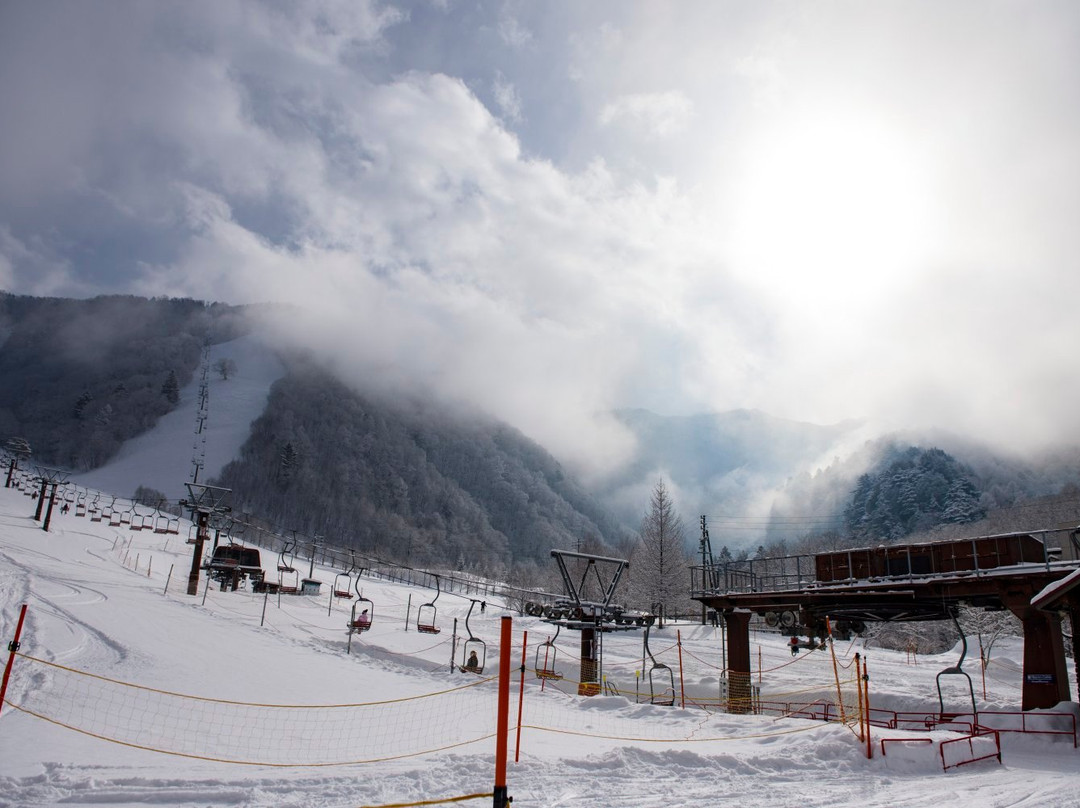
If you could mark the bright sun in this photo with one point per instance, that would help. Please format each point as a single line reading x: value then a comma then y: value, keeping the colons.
x: 833, y: 211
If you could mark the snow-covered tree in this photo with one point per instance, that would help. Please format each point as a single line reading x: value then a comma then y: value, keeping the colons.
x: 659, y: 561
x: 987, y: 627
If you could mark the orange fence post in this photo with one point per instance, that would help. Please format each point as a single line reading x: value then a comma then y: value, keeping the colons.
x: 866, y: 704
x: 501, y: 798
x: 521, y: 695
x: 13, y: 646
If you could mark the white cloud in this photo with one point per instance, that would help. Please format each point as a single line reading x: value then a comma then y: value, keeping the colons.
x: 246, y: 151
x: 660, y: 115
x: 512, y: 32
x: 507, y: 98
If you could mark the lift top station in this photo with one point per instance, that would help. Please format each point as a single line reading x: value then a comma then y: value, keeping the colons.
x: 590, y: 583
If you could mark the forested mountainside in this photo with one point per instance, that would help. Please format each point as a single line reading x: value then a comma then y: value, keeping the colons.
x: 913, y: 489
x: 79, y: 377
x: 408, y: 479
x: 892, y: 490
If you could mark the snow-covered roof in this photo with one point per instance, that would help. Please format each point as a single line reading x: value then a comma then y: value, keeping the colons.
x: 1058, y: 589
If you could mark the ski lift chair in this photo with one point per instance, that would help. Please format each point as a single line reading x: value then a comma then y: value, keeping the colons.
x: 138, y: 520
x: 288, y: 576
x: 473, y: 650
x: 661, y: 680
x: 95, y: 511
x: 286, y: 557
x: 343, y: 585
x: 192, y: 533
x: 425, y: 615
x: 288, y: 581
x: 127, y: 517
x: 956, y: 670
x: 545, y: 667
x: 363, y: 614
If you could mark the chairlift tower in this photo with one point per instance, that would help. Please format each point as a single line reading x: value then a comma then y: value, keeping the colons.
x: 589, y: 608
x: 16, y: 448
x: 50, y: 478
x: 205, y: 502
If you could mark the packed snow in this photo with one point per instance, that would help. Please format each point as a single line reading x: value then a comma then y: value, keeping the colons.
x: 98, y: 603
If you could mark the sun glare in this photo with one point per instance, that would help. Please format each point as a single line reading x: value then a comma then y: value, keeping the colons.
x: 833, y: 212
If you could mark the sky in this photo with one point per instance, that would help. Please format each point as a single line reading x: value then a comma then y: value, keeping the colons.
x: 822, y: 210
x: 136, y: 730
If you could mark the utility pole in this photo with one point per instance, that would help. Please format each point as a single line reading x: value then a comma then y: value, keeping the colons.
x: 204, y: 501
x: 706, y: 558
x: 198, y: 449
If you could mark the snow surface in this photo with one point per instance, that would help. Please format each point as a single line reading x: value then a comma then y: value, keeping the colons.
x: 162, y: 457
x: 93, y: 607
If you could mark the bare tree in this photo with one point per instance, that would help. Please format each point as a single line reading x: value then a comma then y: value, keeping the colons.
x: 225, y: 367
x: 988, y: 626
x: 659, y: 561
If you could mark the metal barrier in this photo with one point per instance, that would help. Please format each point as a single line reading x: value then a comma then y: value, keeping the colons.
x: 968, y: 739
x: 1025, y: 720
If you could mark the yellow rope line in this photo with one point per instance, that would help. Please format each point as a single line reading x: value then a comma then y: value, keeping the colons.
x: 811, y: 689
x: 249, y: 703
x: 431, y: 802
x: 677, y: 740
x: 244, y: 762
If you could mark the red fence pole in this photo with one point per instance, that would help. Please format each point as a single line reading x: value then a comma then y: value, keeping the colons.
x: 502, y: 799
x: 858, y: 692
x: 13, y: 646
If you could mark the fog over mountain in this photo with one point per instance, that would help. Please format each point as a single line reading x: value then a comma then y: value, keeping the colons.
x: 382, y: 468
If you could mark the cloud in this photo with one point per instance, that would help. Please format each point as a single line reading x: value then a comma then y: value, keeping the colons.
x: 507, y: 98
x: 511, y: 31
x: 659, y: 114
x: 731, y: 208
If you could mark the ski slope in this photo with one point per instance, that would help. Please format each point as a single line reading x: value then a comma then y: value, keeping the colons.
x: 162, y: 458
x: 97, y: 604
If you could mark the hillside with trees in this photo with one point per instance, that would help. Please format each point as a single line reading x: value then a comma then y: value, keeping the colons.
x: 914, y: 489
x: 408, y: 479
x: 79, y: 377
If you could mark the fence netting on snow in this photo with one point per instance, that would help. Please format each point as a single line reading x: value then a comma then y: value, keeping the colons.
x: 252, y: 733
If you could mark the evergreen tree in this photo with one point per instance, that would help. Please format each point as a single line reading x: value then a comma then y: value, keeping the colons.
x: 287, y: 461
x: 962, y: 503
x: 171, y: 388
x: 79, y: 412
